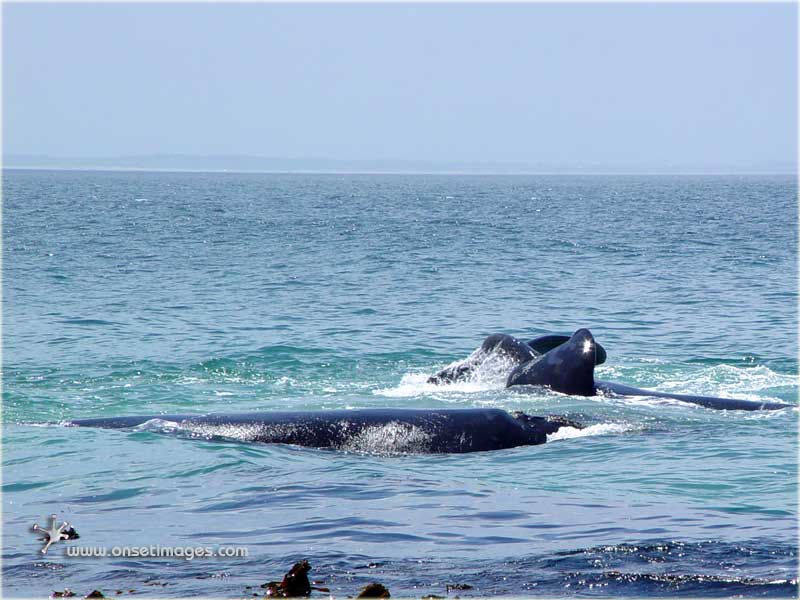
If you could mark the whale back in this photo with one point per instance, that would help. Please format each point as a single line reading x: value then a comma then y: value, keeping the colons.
x: 567, y: 368
x: 371, y: 430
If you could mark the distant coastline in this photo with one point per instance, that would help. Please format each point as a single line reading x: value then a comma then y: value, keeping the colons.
x: 256, y: 164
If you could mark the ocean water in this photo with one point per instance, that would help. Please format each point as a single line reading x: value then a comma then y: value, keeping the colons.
x: 139, y: 293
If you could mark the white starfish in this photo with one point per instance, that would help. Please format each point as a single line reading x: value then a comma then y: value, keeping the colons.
x: 54, y: 534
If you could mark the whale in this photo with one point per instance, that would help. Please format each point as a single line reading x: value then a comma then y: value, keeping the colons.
x: 568, y: 367
x: 424, y: 431
x: 510, y: 349
x: 562, y: 364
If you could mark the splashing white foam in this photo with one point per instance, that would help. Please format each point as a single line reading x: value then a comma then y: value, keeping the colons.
x: 718, y: 380
x: 416, y: 384
x: 157, y: 425
x: 491, y: 374
x: 239, y: 432
x: 388, y: 439
x: 392, y: 438
x: 568, y: 433
x: 725, y: 381
x: 729, y: 380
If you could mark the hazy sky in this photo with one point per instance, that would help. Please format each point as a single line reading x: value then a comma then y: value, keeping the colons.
x: 565, y: 84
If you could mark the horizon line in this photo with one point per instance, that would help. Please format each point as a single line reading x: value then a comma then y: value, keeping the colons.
x: 112, y: 169
x: 252, y: 163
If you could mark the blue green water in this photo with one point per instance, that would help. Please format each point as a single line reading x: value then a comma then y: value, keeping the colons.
x: 139, y: 293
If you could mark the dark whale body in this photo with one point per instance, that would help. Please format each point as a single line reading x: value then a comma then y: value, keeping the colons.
x: 562, y: 364
x: 414, y: 430
x: 569, y: 368
x: 510, y: 348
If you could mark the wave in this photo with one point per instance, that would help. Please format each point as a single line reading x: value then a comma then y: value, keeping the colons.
x: 490, y: 375
x: 569, y: 433
x: 716, y: 379
x: 416, y: 384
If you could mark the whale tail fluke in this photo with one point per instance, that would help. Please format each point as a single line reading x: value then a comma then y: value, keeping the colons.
x: 567, y: 368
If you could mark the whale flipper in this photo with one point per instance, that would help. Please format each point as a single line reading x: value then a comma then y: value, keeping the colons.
x: 544, y: 343
x: 567, y: 368
x: 707, y: 401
